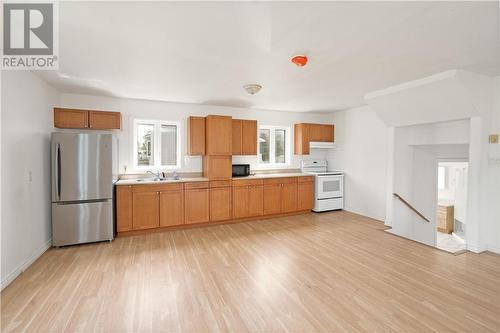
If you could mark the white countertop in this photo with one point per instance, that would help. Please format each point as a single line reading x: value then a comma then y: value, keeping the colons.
x: 274, y: 175
x: 136, y: 181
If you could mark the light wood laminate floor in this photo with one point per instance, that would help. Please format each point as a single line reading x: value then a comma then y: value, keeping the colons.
x: 317, y: 272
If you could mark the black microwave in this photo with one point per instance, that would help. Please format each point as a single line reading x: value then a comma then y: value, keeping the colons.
x: 241, y: 170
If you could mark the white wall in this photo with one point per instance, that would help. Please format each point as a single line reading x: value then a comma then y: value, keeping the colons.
x: 26, y: 124
x: 143, y: 109
x: 493, y: 230
x: 362, y: 154
x: 435, y: 99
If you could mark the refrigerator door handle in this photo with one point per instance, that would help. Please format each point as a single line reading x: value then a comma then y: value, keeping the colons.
x: 58, y: 171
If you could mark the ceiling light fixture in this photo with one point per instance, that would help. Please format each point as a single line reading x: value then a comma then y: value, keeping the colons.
x: 253, y: 88
x: 299, y: 60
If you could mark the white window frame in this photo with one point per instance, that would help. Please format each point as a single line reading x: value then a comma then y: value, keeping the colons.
x: 156, y: 145
x: 272, y: 149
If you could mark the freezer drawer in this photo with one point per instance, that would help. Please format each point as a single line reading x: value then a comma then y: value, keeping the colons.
x: 76, y: 223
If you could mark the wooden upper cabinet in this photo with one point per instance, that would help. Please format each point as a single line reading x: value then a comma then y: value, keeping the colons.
x: 123, y: 208
x: 86, y: 119
x: 217, y: 167
x: 327, y: 133
x: 305, y: 133
x: 218, y: 135
x: 315, y: 132
x: 237, y: 137
x: 244, y: 137
x: 104, y: 120
x: 249, y: 137
x: 196, y: 136
x: 71, y: 118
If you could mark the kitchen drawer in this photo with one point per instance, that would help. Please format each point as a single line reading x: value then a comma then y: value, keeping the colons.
x: 247, y: 182
x: 193, y: 185
x: 282, y: 180
x: 305, y: 179
x: 220, y: 183
x: 157, y: 187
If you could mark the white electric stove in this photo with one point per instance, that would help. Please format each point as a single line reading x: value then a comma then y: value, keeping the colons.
x: 328, y: 185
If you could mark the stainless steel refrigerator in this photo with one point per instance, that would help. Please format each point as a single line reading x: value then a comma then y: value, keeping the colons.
x: 84, y: 169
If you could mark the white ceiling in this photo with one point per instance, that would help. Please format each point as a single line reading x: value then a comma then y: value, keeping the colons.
x: 205, y: 52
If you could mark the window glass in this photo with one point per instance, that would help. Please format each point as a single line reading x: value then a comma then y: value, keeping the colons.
x: 168, y: 145
x: 264, y: 145
x: 273, y: 145
x: 279, y: 151
x: 441, y: 177
x: 157, y: 145
x: 145, y: 134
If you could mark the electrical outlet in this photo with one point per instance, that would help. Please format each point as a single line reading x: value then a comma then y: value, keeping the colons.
x: 493, y: 138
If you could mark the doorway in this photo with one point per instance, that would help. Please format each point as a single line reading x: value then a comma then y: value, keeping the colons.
x: 451, y: 222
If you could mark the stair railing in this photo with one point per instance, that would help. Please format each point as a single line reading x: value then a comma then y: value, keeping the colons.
x: 411, y: 207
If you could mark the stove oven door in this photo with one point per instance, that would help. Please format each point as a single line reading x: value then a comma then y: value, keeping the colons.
x: 329, y: 186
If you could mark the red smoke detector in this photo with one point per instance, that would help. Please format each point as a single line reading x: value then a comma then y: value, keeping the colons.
x: 300, y: 60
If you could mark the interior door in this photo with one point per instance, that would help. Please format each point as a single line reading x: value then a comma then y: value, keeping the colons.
x: 82, y: 166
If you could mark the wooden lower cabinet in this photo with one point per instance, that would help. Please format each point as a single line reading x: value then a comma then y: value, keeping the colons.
x: 248, y: 201
x: 280, y: 195
x: 123, y: 208
x: 145, y: 210
x: 171, y: 208
x: 255, y: 201
x: 446, y: 218
x: 196, y: 205
x: 272, y: 199
x: 288, y: 198
x: 240, y: 202
x: 305, y: 194
x: 220, y: 203
x: 149, y: 206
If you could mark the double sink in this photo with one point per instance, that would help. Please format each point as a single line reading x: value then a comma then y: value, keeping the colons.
x: 157, y: 179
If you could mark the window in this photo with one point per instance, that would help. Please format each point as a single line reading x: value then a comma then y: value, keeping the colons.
x: 274, y: 145
x: 441, y: 177
x: 157, y: 144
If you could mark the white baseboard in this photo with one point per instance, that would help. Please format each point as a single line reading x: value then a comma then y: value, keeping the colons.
x: 476, y: 248
x: 21, y: 268
x: 380, y: 218
x: 494, y: 249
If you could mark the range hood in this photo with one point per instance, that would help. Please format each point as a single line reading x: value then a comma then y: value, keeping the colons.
x: 322, y: 145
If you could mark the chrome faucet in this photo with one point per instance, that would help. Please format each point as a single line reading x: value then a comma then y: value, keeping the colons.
x: 157, y: 174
